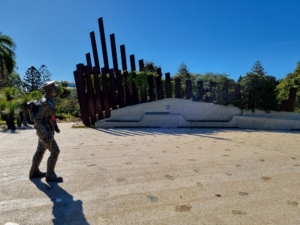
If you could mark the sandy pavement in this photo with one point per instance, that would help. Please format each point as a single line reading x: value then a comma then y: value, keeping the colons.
x: 154, y: 176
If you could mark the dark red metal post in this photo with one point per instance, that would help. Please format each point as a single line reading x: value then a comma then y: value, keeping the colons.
x: 135, y: 94
x: 284, y: 105
x: 188, y: 90
x: 123, y: 57
x: 177, y: 88
x: 132, y: 63
x: 212, y: 91
x: 200, y: 90
x: 103, y: 43
x: 80, y: 86
x: 168, y: 85
x: 98, y: 104
x: 88, y: 60
x: 112, y: 89
x: 90, y: 95
x: 127, y: 89
x: 159, y: 90
x: 114, y: 52
x: 292, y: 99
x: 144, y: 97
x: 120, y: 89
x: 141, y: 64
x: 105, y: 93
x: 95, y: 52
x: 151, y: 88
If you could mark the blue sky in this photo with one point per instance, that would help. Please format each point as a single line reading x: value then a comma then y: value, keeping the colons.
x: 222, y: 36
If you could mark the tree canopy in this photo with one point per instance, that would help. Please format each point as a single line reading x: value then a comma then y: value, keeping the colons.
x: 45, y: 74
x: 150, y: 67
x: 32, y: 79
x: 258, y: 68
x: 292, y: 80
x: 7, y: 55
x: 183, y: 72
x: 258, y: 90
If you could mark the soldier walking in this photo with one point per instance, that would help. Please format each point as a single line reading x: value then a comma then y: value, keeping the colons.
x: 45, y: 124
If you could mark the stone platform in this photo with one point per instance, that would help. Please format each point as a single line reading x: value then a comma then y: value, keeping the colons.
x: 154, y: 176
x: 180, y: 113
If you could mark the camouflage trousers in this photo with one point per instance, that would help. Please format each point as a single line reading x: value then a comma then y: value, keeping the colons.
x: 40, y: 151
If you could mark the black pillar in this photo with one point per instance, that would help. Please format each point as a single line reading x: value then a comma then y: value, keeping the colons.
x: 132, y: 63
x: 105, y: 93
x: 123, y: 57
x: 141, y: 64
x: 95, y: 52
x: 168, y: 85
x: 188, y: 85
x: 177, y: 88
x: 80, y: 87
x: 103, y: 43
x: 114, y: 52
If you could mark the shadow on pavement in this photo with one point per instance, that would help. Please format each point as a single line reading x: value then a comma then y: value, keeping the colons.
x: 65, y: 210
x: 183, y: 131
x: 205, y: 132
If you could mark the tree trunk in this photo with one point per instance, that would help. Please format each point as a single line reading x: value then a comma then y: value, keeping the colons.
x: 25, y: 119
x: 19, y: 121
x: 10, y: 122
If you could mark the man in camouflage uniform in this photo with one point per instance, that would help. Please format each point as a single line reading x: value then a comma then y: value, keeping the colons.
x: 45, y: 125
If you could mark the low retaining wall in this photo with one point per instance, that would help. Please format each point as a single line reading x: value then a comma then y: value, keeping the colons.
x: 172, y: 113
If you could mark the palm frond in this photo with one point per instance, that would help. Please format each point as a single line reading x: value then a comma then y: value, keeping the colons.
x: 35, y: 95
x: 2, y: 105
x: 11, y: 107
x: 7, y: 41
x: 10, y: 93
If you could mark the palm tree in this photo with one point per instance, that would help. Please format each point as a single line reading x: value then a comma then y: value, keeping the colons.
x: 13, y: 104
x: 7, y: 55
x: 23, y: 99
x: 12, y: 80
x: 10, y: 106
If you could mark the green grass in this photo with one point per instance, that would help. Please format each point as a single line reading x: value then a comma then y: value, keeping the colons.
x: 2, y: 122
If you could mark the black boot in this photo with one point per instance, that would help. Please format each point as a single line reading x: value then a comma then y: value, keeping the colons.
x: 36, y: 174
x: 36, y: 161
x: 51, y: 176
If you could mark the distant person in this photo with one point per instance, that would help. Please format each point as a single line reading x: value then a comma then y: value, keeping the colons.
x: 45, y: 124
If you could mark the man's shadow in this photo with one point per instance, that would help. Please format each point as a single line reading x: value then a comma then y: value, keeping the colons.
x: 65, y: 210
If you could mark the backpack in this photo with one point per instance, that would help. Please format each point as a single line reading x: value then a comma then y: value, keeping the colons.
x: 33, y: 107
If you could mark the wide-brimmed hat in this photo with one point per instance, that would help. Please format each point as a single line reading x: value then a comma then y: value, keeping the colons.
x: 48, y: 84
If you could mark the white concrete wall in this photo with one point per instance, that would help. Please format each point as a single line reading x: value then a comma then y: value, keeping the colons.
x: 186, y: 113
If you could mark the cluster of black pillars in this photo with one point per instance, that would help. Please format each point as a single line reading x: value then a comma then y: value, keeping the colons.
x: 96, y: 101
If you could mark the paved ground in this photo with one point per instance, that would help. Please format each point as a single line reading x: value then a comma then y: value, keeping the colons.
x: 154, y: 176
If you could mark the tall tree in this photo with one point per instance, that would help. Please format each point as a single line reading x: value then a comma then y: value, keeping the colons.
x: 7, y: 55
x: 258, y: 68
x: 183, y: 72
x: 32, y: 79
x: 258, y: 90
x: 45, y: 74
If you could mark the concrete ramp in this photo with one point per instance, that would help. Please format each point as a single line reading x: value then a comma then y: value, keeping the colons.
x: 181, y: 113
